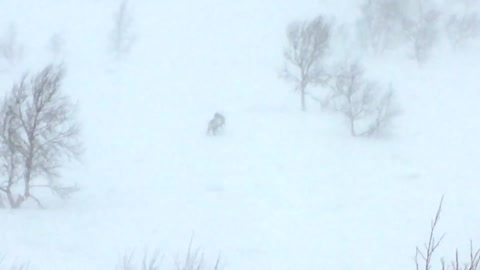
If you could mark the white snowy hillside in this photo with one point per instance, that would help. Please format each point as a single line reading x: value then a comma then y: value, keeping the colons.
x: 277, y: 187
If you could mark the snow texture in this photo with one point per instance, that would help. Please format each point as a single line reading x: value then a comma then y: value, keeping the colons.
x: 278, y: 188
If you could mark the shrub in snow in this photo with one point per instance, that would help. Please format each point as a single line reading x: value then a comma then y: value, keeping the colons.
x: 368, y: 108
x: 38, y: 134
x: 307, y: 45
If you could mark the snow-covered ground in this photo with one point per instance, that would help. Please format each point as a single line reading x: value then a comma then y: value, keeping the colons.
x: 279, y: 189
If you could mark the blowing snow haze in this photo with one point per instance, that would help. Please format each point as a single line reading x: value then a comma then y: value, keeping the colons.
x: 352, y: 182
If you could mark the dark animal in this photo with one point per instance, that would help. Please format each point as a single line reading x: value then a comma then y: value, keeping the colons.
x: 215, y: 124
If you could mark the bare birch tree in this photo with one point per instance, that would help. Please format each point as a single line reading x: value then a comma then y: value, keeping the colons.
x: 462, y: 28
x: 367, y: 109
x: 56, y: 45
x: 122, y: 37
x: 10, y: 157
x: 307, y: 45
x: 38, y: 135
x: 421, y: 28
x: 381, y: 24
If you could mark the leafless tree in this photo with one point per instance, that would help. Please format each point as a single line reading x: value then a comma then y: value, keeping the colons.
x: 38, y: 135
x: 307, y: 45
x: 381, y: 23
x: 422, y: 28
x: 122, y: 37
x: 364, y: 104
x: 2, y: 201
x: 10, y: 156
x: 56, y: 44
x: 461, y: 28
x: 10, y: 48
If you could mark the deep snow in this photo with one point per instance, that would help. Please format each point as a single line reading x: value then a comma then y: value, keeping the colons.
x: 279, y: 189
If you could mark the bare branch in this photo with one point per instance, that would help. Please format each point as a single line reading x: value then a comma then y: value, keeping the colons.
x: 194, y: 260
x: 148, y: 262
x: 64, y: 192
x: 432, y: 244
x: 37, y: 201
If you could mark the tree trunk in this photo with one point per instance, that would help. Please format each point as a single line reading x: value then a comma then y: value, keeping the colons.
x: 302, y: 96
x: 11, y: 200
x: 27, y: 182
x: 28, y: 175
x: 14, y: 203
x: 352, y: 126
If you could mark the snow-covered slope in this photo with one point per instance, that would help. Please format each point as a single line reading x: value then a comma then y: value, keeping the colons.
x: 279, y: 189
